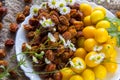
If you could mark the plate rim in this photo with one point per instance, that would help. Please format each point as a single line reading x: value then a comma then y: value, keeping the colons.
x: 35, y: 76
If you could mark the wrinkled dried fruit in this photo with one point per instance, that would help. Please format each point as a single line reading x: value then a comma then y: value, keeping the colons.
x: 118, y: 14
x: 31, y: 34
x: 55, y: 19
x: 9, y: 42
x: 0, y: 4
x: 62, y: 28
x: 50, y: 67
x: 1, y: 25
x: 20, y: 17
x: 2, y: 53
x: 28, y: 1
x: 49, y: 79
x: 4, y: 63
x: 67, y: 35
x: 34, y: 22
x: 26, y: 10
x: 3, y: 12
x: 13, y: 27
x: 75, y: 6
x: 28, y: 27
x: 23, y: 47
x: 13, y: 74
x: 64, y: 20
x: 57, y: 76
x: 49, y: 55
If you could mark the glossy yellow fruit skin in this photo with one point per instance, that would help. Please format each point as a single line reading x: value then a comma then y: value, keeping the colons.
x: 66, y: 73
x: 103, y: 24
x: 80, y: 42
x: 96, y: 16
x: 89, y: 44
x: 77, y: 61
x: 100, y: 72
x: 118, y: 28
x: 76, y: 77
x: 112, y: 41
x: 111, y: 66
x: 90, y: 63
x: 101, y: 35
x: 80, y: 52
x: 86, y: 9
x: 88, y: 74
x: 109, y: 51
x: 87, y: 21
x: 89, y: 31
x: 100, y: 8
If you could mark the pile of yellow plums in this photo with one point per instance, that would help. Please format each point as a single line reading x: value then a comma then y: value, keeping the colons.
x: 96, y: 55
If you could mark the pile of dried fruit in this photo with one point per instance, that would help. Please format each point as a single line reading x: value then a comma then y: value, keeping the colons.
x: 70, y: 41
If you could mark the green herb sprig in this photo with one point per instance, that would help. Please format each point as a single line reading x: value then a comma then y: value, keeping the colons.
x: 113, y: 30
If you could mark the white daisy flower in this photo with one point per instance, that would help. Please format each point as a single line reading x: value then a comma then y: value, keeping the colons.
x: 42, y: 22
x: 46, y: 23
x: 64, y: 10
x: 77, y: 65
x: 51, y: 37
x: 50, y: 23
x: 71, y: 45
x: 43, y: 5
x: 71, y: 63
x: 28, y: 46
x: 42, y: 52
x: 61, y: 4
x: 52, y: 4
x: 98, y: 58
x: 47, y: 61
x: 54, y: 29
x: 1, y: 66
x: 63, y: 40
x: 97, y: 48
x: 70, y: 2
x: 35, y: 59
x: 34, y: 10
x: 67, y: 44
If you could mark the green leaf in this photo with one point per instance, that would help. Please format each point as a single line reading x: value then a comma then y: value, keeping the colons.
x: 113, y: 30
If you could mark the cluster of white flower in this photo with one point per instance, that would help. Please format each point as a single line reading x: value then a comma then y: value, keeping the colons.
x: 61, y: 5
x: 98, y: 58
x: 46, y: 23
x: 67, y: 44
x: 78, y: 64
x: 36, y: 56
x: 97, y: 48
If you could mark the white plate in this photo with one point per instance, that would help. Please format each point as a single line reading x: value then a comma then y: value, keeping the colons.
x: 20, y: 38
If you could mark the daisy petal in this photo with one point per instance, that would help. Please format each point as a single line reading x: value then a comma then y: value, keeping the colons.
x: 34, y: 9
x: 64, y: 10
x: 52, y: 4
x: 51, y: 37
